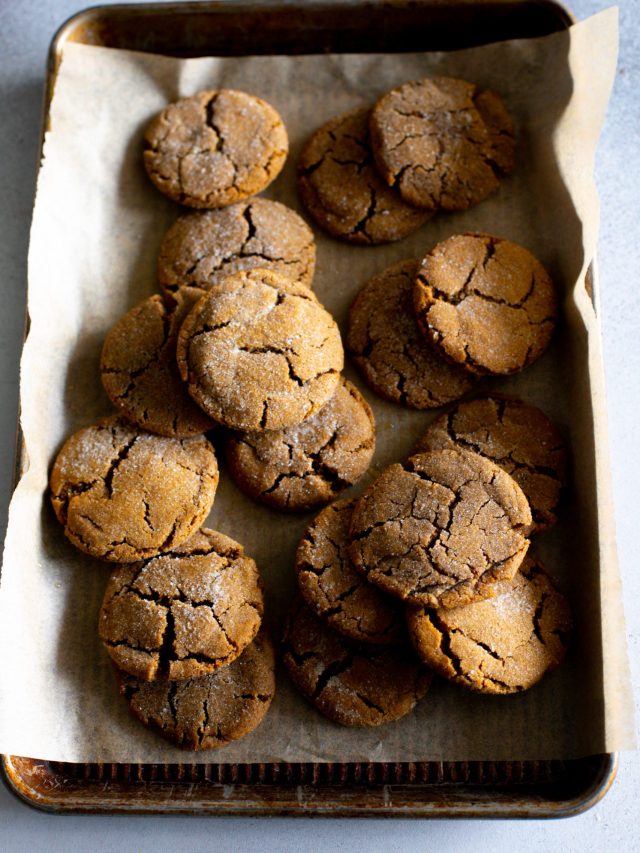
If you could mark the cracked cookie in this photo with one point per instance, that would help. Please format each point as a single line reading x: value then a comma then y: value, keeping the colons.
x: 201, y: 249
x: 516, y: 436
x: 140, y: 374
x: 215, y: 148
x: 335, y: 591
x: 342, y: 190
x: 306, y: 465
x: 386, y: 345
x: 124, y: 495
x: 350, y: 683
x: 485, y: 303
x: 260, y: 352
x: 207, y: 712
x: 502, y: 645
x: 442, y: 143
x: 440, y: 529
x: 184, y: 613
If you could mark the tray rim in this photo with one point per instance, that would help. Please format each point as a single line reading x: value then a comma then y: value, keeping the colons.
x: 11, y: 776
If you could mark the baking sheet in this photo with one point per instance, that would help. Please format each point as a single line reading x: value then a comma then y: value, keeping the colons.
x: 97, y: 226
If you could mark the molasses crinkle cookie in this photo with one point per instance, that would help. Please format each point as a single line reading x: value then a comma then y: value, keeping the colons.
x: 306, y: 465
x: 207, y: 712
x: 125, y: 495
x: 442, y: 143
x: 259, y: 351
x: 485, y: 303
x: 440, y: 529
x: 502, y: 645
x: 184, y: 613
x: 215, y: 148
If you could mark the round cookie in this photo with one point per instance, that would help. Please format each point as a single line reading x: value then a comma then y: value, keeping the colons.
x: 516, y: 436
x: 502, y: 645
x: 342, y: 190
x: 201, y: 249
x: 215, y: 148
x: 259, y: 351
x: 207, y: 712
x: 185, y: 613
x: 442, y: 143
x: 352, y: 684
x: 386, y: 345
x: 335, y: 591
x: 440, y: 529
x: 140, y: 374
x: 306, y: 465
x: 125, y: 495
x: 485, y: 303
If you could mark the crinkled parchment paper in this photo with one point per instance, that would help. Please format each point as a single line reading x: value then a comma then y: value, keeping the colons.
x: 97, y: 226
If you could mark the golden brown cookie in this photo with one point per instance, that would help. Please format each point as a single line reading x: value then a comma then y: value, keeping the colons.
x: 516, y: 436
x: 485, y: 303
x: 201, y: 249
x: 185, y: 613
x: 125, y: 495
x: 342, y: 190
x: 215, y: 148
x: 140, y: 374
x: 350, y: 683
x: 389, y: 350
x: 442, y: 143
x: 335, y: 591
x: 502, y: 645
x: 260, y: 352
x: 306, y: 465
x: 440, y: 529
x: 207, y: 712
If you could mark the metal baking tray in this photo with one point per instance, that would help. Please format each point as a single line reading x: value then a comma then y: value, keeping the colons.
x: 522, y: 789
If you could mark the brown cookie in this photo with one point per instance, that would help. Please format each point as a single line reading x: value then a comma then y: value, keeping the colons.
x: 442, y: 143
x: 182, y: 614
x: 207, y: 712
x: 306, y: 465
x: 201, y: 249
x: 335, y: 591
x: 215, y: 148
x: 125, y: 495
x: 440, y: 529
x: 260, y: 352
x: 342, y: 190
x: 140, y: 374
x: 516, y: 436
x: 389, y: 350
x: 352, y: 684
x: 502, y: 645
x: 485, y: 303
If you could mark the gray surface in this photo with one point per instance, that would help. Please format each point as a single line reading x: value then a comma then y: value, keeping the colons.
x: 25, y: 31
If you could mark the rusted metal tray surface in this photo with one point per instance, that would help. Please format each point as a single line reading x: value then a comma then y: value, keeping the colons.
x: 522, y: 789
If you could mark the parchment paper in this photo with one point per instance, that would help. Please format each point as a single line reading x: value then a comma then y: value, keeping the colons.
x: 97, y: 226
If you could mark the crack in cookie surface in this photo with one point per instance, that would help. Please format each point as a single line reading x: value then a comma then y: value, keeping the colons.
x: 215, y: 148
x: 259, y: 351
x: 183, y: 614
x: 123, y: 494
x: 306, y: 465
x: 340, y: 186
x: 485, y: 303
x: 502, y: 645
x: 386, y: 345
x: 440, y: 529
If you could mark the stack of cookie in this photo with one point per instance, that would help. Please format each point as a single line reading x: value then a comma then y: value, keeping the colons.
x: 375, y: 175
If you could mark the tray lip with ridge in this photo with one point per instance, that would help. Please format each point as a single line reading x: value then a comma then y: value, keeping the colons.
x: 500, y: 789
